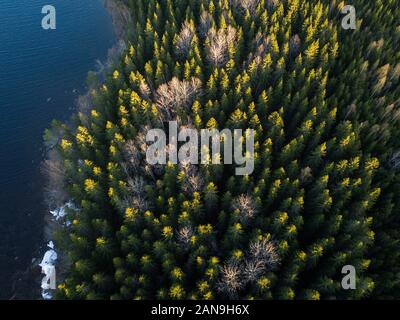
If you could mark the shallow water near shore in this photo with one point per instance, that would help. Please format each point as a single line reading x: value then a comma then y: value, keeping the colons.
x: 42, y: 73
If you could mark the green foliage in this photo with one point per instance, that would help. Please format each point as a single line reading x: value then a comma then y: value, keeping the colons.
x: 325, y: 191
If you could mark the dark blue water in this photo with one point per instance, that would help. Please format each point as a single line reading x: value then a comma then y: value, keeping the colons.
x: 42, y: 72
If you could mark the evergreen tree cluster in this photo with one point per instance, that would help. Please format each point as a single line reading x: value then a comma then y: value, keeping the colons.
x: 324, y: 104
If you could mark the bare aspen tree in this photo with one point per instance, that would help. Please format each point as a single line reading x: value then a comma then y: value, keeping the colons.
x: 144, y: 90
x: 264, y: 251
x: 246, y: 206
x: 206, y: 22
x: 305, y: 175
x: 192, y: 181
x: 253, y: 270
x: 380, y: 79
x: 351, y: 109
x: 231, y: 281
x: 136, y: 185
x: 141, y: 139
x: 217, y: 45
x: 177, y: 94
x: 84, y: 104
x: 261, y: 48
x: 185, y: 234
x: 139, y: 203
x: 294, y: 45
x: 246, y: 5
x: 236, y: 274
x: 183, y: 42
x: 195, y: 183
x: 132, y: 155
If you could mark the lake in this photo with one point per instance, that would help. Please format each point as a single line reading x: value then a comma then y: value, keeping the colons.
x: 42, y: 72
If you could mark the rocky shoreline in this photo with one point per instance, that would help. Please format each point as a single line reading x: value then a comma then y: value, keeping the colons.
x: 30, y: 280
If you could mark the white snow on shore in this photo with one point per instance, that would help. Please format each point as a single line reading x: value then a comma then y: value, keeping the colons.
x: 48, y: 268
x: 61, y: 212
x: 48, y: 263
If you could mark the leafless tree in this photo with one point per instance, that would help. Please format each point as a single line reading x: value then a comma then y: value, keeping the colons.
x: 185, y: 234
x: 177, y: 94
x: 136, y: 185
x: 261, y: 48
x: 55, y: 187
x: 84, y: 103
x: 140, y: 203
x: 305, y: 175
x: 144, y: 90
x: 193, y: 181
x: 294, y: 45
x: 262, y: 44
x: 135, y: 153
x: 381, y: 77
x: 136, y: 196
x: 231, y: 281
x: 184, y: 39
x: 246, y: 5
x: 235, y: 274
x: 246, y: 206
x: 264, y: 251
x: 253, y: 270
x: 135, y: 163
x: 351, y: 109
x: 206, y: 21
x: 395, y: 160
x: 141, y: 139
x: 217, y: 45
x: 132, y: 155
x: 187, y: 167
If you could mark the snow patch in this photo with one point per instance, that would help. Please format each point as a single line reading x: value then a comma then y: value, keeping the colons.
x: 48, y: 263
x: 48, y: 268
x: 46, y: 295
x: 61, y: 212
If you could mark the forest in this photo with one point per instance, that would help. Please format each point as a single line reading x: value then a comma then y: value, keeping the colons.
x: 324, y: 103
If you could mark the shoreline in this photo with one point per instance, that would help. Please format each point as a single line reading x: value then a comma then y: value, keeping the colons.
x: 119, y: 16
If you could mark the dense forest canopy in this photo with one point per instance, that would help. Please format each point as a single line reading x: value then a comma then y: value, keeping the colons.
x: 324, y: 104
